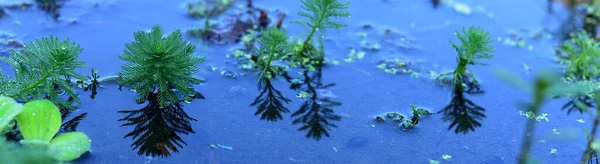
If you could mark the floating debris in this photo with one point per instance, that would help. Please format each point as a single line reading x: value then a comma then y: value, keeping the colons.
x: 462, y: 8
x: 446, y: 156
x: 228, y: 73
x: 225, y: 147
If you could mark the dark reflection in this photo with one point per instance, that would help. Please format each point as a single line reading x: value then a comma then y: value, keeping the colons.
x: 463, y: 113
x: 51, y: 7
x: 578, y: 103
x: 435, y: 3
x: 316, y: 114
x: 270, y: 103
x: 71, y: 125
x: 157, y: 129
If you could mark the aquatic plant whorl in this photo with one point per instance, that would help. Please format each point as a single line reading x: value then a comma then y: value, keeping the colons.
x: 162, y: 65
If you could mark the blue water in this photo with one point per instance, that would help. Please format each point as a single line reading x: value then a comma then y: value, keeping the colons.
x: 225, y: 117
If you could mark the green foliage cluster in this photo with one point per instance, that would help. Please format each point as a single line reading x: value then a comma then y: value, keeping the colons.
x: 39, y: 121
x: 474, y: 46
x: 403, y: 121
x: 319, y: 16
x: 275, y: 47
x: 161, y: 65
x: 581, y: 56
x: 40, y: 71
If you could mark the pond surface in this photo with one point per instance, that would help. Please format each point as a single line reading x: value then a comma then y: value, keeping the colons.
x: 226, y: 120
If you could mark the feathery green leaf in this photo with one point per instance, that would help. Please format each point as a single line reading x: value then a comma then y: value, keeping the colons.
x: 157, y: 64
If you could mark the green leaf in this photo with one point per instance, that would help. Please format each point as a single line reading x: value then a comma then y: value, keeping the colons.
x: 39, y: 122
x: 69, y: 146
x: 9, y: 108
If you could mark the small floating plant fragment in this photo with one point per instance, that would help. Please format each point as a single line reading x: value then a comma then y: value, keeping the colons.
x: 446, y: 157
x: 403, y: 121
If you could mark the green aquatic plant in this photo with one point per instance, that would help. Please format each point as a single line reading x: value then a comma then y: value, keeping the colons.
x: 162, y: 65
x: 319, y: 15
x: 475, y: 45
x: 39, y: 121
x: 274, y: 48
x: 40, y: 70
x: 581, y: 55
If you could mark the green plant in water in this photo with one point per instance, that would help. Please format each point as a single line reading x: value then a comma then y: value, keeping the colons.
x: 319, y: 15
x: 162, y: 65
x: 581, y: 54
x: 274, y: 48
x: 40, y: 71
x: 475, y: 45
x: 39, y: 121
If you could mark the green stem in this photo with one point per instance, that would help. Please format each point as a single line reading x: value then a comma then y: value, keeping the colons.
x: 31, y: 86
x: 312, y: 32
x: 539, y: 93
x: 588, y: 149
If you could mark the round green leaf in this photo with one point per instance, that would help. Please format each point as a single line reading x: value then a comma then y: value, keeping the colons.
x: 39, y: 121
x: 69, y: 146
x: 9, y: 108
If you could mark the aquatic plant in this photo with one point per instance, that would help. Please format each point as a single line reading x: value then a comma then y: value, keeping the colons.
x: 274, y: 48
x: 39, y: 121
x: 270, y: 103
x: 581, y: 55
x: 475, y: 45
x: 160, y: 65
x: 319, y: 15
x: 40, y: 70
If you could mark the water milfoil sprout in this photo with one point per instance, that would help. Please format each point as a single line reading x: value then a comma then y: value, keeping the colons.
x: 475, y: 45
x: 40, y: 70
x: 161, y: 65
x: 274, y: 48
x: 319, y: 16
